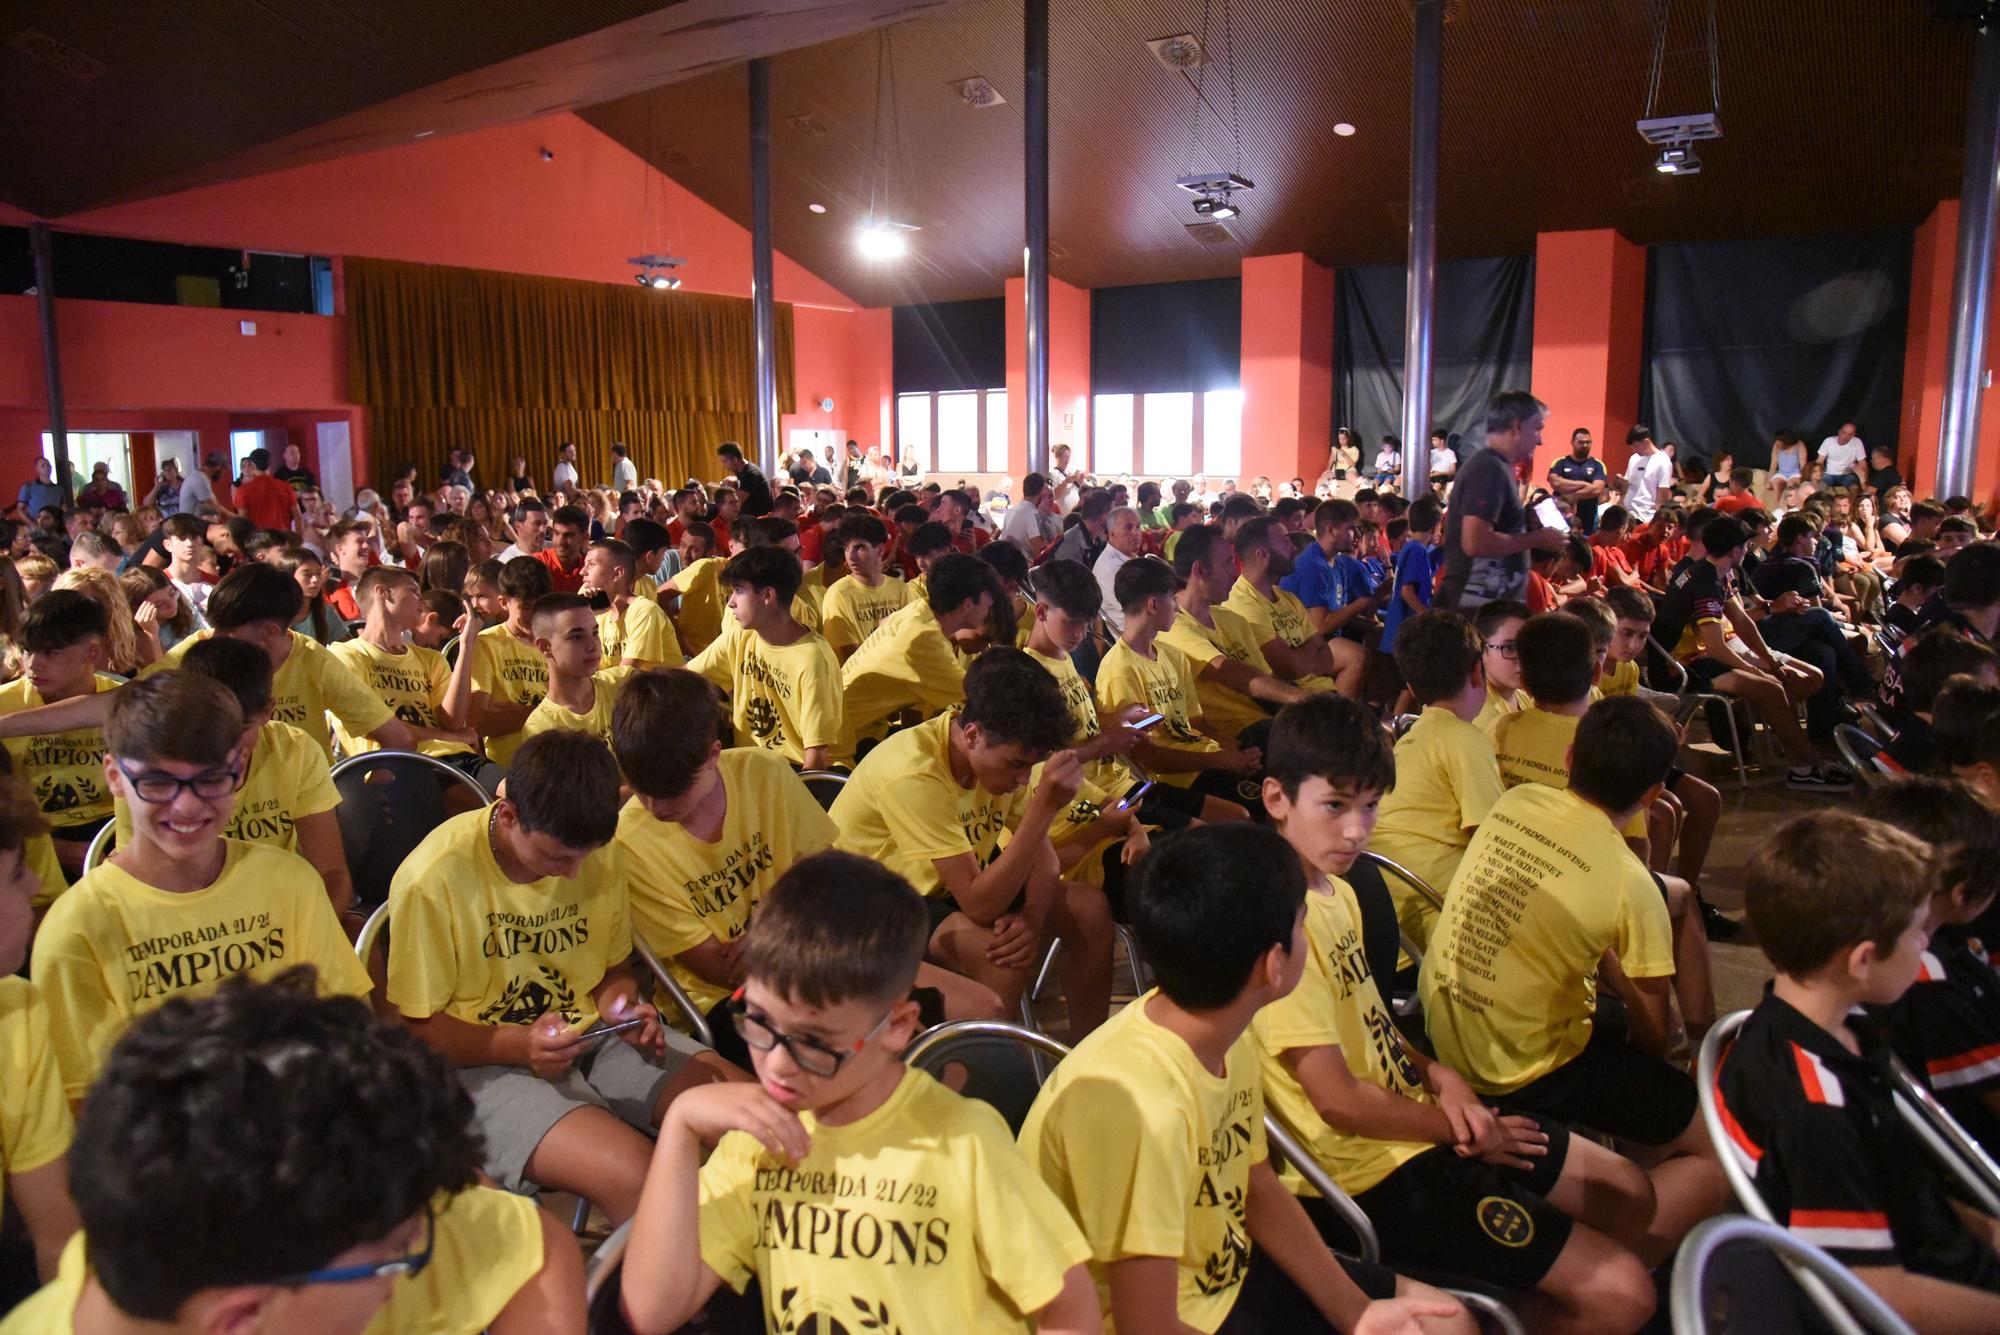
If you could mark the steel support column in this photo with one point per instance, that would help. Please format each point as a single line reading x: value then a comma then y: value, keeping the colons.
x: 1972, y: 283
x: 1425, y: 107
x: 763, y: 306
x: 42, y: 245
x: 1035, y: 68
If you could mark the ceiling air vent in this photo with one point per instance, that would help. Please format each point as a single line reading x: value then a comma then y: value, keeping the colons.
x: 1209, y: 233
x: 1181, y: 52
x: 58, y: 55
x: 978, y: 93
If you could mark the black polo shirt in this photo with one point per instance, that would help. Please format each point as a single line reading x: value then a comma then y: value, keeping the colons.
x: 1695, y: 596
x: 1587, y: 469
x: 1817, y: 1128
x: 1779, y: 575
x: 1946, y: 1028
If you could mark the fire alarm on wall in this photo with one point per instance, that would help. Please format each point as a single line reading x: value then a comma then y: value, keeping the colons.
x: 826, y: 405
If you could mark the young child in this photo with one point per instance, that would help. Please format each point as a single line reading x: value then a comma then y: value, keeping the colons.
x: 510, y: 946
x: 783, y: 680
x: 62, y: 640
x: 695, y: 593
x: 1841, y: 906
x: 580, y: 697
x: 1497, y: 624
x: 909, y: 666
x: 179, y: 907
x: 963, y: 1238
x: 483, y: 593
x: 1151, y: 1132
x: 1922, y: 579
x: 378, y: 1215
x: 1547, y: 888
x: 1412, y: 590
x: 1946, y: 1027
x: 183, y: 541
x: 32, y: 1108
x: 635, y: 632
x: 1434, y: 1168
x: 866, y: 596
x: 932, y: 802
x: 440, y: 611
x: 1446, y: 778
x: 1139, y: 670
x: 509, y: 674
x: 433, y: 698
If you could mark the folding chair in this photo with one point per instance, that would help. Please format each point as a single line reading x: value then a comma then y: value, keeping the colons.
x: 389, y: 801
x: 1406, y: 1006
x: 726, y: 1314
x: 682, y: 1002
x: 1708, y: 1063
x: 1494, y: 1315
x: 450, y: 650
x: 1949, y: 1143
x: 1878, y: 722
x: 1734, y: 1276
x: 1858, y: 750
x: 100, y: 845
x: 371, y: 932
x: 1692, y: 700
x: 1004, y: 1064
x: 824, y: 785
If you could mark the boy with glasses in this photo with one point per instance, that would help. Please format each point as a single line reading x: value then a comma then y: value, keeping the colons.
x: 860, y: 1194
x: 1497, y: 624
x: 180, y: 907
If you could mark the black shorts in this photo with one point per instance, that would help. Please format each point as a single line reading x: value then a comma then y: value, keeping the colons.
x: 942, y: 906
x: 1614, y: 1088
x: 1269, y: 1303
x: 1468, y: 1218
x: 1702, y: 672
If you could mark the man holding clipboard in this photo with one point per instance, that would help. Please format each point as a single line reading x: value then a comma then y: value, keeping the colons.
x: 1486, y: 544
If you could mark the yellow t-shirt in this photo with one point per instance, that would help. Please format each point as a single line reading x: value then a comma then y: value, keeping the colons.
x: 641, y: 631
x: 1222, y: 705
x: 1109, y: 775
x: 65, y: 770
x: 920, y: 1216
x: 904, y: 808
x: 310, y: 684
x: 1337, y: 1004
x: 288, y: 778
x: 1280, y: 617
x: 1150, y: 1152
x: 686, y: 890
x: 469, y: 943
x: 40, y: 855
x: 782, y: 697
x: 645, y: 586
x: 1619, y: 679
x: 1533, y: 747
x: 1164, y: 684
x: 908, y: 663
x: 1510, y: 982
x: 411, y: 683
x: 1446, y: 781
x: 35, y: 1125
x: 509, y: 671
x: 487, y: 1246
x: 114, y: 948
x: 1498, y: 705
x: 703, y: 601
x: 549, y: 716
x: 851, y: 610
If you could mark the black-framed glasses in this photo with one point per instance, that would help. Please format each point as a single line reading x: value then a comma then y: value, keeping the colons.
x: 411, y: 1265
x: 1504, y: 648
x: 158, y: 789
x: 812, y: 1056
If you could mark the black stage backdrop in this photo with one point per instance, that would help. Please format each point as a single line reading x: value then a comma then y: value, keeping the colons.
x: 1746, y: 338
x: 949, y: 345
x: 1166, y: 338
x: 1482, y: 341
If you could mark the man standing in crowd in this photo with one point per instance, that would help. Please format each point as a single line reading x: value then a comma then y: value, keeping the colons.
x: 198, y: 491
x: 43, y: 493
x: 1485, y: 549
x: 751, y: 484
x: 1579, y: 478
x: 263, y: 499
x: 1031, y: 522
x: 294, y: 474
x: 624, y: 473
x: 1648, y: 476
x: 565, y: 468
x: 1845, y: 457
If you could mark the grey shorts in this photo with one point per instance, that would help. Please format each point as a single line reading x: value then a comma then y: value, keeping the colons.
x: 515, y: 1108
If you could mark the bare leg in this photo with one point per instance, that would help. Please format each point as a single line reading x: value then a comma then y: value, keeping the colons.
x: 1462, y: 1324
x: 1350, y: 667
x: 1596, y: 1287
x: 963, y: 998
x: 1774, y: 706
x: 1702, y: 808
x: 1081, y: 916
x: 1692, y: 986
x: 959, y: 944
x: 704, y: 1068
x: 1606, y: 1191
x: 1689, y: 1187
x: 590, y: 1153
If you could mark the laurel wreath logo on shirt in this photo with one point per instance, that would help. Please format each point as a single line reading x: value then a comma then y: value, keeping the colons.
x: 527, y: 999
x: 817, y: 1321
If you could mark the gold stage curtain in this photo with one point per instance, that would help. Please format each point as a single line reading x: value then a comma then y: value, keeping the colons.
x: 507, y: 364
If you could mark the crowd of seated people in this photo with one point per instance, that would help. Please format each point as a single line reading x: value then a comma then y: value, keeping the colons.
x: 847, y: 762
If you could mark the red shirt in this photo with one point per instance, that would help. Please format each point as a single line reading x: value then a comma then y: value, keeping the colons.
x: 341, y: 599
x: 560, y: 580
x: 1541, y: 593
x: 267, y: 502
x: 1729, y: 503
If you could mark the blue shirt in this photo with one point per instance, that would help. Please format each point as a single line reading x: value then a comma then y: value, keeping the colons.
x: 1317, y: 581
x: 39, y: 496
x: 1413, y: 566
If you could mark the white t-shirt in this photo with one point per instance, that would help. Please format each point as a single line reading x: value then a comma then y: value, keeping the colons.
x: 196, y: 492
x: 1443, y: 460
x: 625, y: 476
x: 1842, y: 458
x: 1388, y: 461
x: 1109, y: 562
x: 565, y: 474
x: 1025, y: 521
x: 1644, y: 476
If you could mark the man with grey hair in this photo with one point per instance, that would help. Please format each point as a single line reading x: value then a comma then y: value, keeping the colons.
x: 1485, y: 547
x: 1123, y: 541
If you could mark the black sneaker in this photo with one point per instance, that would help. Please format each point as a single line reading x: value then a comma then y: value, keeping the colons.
x: 1719, y: 926
x: 1820, y: 779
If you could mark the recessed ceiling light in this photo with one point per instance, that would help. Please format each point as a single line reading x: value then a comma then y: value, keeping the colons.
x: 816, y: 208
x: 1343, y: 129
x: 423, y: 134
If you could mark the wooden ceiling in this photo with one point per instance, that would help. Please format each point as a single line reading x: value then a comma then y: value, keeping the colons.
x: 1838, y: 114
x: 107, y: 100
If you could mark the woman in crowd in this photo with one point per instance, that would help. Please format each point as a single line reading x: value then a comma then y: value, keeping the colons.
x: 124, y: 651
x: 1896, y: 504
x: 158, y: 609
x: 320, y: 621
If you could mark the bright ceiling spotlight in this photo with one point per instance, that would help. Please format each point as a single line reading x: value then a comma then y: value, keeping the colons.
x: 1678, y: 160
x: 883, y: 240
x: 659, y: 272
x: 1343, y: 129
x: 816, y: 208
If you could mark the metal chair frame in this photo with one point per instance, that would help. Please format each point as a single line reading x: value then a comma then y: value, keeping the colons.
x: 936, y: 1042
x: 1692, y: 700
x: 100, y: 845
x: 370, y: 760
x: 682, y: 1002
x: 1858, y: 749
x: 818, y: 779
x: 1949, y: 1143
x: 1878, y: 722
x: 1859, y: 1304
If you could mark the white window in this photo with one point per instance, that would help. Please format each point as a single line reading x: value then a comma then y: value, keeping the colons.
x: 913, y: 427
x: 87, y: 449
x: 996, y: 430
x: 1169, y: 435
x: 1111, y: 434
x: 1222, y: 432
x: 958, y: 432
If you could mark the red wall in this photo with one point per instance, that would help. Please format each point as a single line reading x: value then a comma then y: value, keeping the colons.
x: 1287, y: 366
x: 1590, y: 295
x: 1069, y: 373
x: 482, y: 200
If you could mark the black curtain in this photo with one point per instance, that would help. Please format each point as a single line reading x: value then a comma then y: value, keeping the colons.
x: 1166, y: 338
x: 1747, y: 338
x: 949, y: 345
x: 1482, y: 341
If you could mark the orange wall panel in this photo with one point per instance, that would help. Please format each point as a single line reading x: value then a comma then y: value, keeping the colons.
x: 1590, y: 293
x: 1287, y: 366
x: 1069, y: 373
